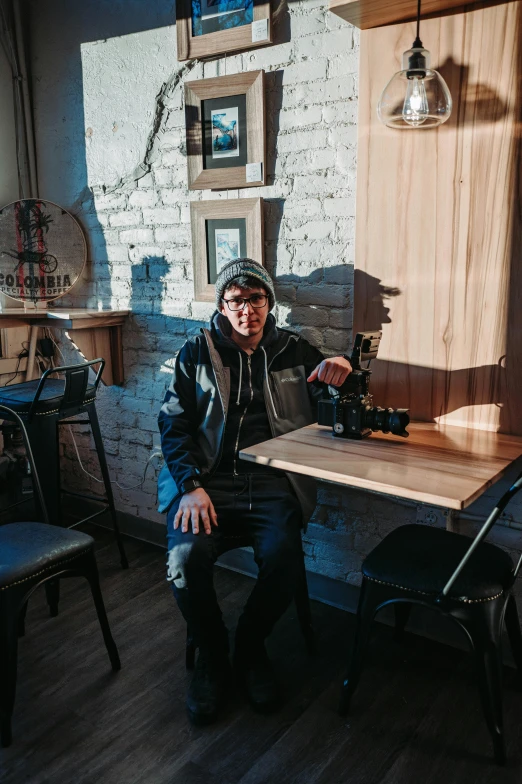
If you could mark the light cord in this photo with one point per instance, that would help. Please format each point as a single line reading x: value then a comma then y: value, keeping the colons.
x: 100, y: 481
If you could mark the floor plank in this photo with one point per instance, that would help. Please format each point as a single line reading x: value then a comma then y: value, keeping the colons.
x: 415, y: 718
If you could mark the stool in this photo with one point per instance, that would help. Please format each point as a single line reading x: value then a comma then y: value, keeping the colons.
x: 304, y: 615
x: 45, y: 404
x: 32, y: 554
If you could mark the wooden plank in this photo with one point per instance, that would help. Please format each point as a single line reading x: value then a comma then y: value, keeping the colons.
x: 78, y: 322
x: 9, y: 365
x: 439, y: 226
x: 101, y: 330
x: 13, y: 338
x: 115, y: 336
x: 81, y: 318
x: 377, y: 13
x: 32, y: 313
x: 94, y: 343
x: 446, y: 466
x: 10, y: 322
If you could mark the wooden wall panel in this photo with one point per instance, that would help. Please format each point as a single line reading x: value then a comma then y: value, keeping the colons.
x: 438, y: 239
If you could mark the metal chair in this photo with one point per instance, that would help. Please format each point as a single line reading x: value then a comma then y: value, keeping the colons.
x: 32, y: 554
x: 304, y: 615
x: 46, y: 403
x: 470, y: 582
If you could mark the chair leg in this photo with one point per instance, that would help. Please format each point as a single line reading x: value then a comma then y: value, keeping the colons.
x: 365, y: 613
x: 8, y: 663
x: 483, y: 623
x: 302, y: 603
x: 489, y: 665
x: 91, y: 573
x: 21, y: 620
x: 515, y: 635
x: 43, y: 438
x: 95, y: 426
x: 402, y: 612
x: 52, y: 592
x: 190, y: 650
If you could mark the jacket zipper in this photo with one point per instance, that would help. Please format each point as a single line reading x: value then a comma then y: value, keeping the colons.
x: 268, y: 366
x: 218, y: 456
x: 225, y: 414
x: 249, y: 360
x: 292, y: 337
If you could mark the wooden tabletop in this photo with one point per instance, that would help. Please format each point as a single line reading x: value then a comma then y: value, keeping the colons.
x: 441, y: 465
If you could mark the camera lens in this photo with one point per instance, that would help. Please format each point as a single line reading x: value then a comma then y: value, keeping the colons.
x: 388, y: 420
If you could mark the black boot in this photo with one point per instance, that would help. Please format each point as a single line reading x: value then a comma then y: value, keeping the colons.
x: 208, y: 688
x: 256, y: 675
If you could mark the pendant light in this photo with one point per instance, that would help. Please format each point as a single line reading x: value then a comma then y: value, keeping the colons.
x: 416, y: 97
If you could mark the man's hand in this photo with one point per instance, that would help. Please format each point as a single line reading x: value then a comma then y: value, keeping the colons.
x: 194, y: 507
x: 333, y: 371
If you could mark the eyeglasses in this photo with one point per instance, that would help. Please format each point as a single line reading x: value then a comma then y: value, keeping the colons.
x: 238, y: 303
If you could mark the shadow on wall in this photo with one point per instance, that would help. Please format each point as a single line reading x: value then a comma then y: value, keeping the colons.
x: 428, y: 392
x: 154, y: 339
x: 487, y: 106
x: 63, y: 171
x: 444, y: 391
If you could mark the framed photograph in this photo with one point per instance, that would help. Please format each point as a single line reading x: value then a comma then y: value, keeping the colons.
x: 223, y: 230
x: 206, y: 28
x: 226, y: 132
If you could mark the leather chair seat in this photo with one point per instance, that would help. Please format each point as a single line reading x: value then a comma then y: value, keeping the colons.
x: 421, y: 559
x: 30, y: 549
x: 20, y: 396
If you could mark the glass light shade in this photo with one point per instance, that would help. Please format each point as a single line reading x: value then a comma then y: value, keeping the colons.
x: 416, y: 97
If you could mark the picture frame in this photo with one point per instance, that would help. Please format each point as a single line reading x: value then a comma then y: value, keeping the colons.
x: 207, y: 28
x: 238, y: 103
x: 223, y: 229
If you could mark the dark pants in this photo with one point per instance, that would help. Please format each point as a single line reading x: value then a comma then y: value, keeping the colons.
x: 260, y: 510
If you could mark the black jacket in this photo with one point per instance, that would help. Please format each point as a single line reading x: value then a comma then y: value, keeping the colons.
x: 221, y: 401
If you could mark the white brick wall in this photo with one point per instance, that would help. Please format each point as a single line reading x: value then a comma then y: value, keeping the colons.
x: 139, y: 232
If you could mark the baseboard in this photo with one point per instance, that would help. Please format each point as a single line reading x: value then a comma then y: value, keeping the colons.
x: 324, y: 589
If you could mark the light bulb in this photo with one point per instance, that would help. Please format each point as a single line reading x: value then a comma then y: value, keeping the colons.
x: 417, y: 96
x: 415, y: 110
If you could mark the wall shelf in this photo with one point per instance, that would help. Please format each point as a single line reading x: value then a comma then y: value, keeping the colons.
x: 378, y: 13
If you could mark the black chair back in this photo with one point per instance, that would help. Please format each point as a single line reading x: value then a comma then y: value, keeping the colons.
x: 76, y: 383
x: 484, y: 531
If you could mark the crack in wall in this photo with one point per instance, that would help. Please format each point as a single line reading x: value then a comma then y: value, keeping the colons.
x: 152, y: 148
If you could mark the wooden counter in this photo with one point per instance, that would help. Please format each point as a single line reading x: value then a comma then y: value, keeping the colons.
x: 442, y: 465
x: 96, y: 333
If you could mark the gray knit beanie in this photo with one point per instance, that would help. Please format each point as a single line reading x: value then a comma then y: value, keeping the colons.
x: 244, y: 266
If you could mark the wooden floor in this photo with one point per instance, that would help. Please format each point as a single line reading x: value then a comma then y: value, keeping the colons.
x: 416, y: 718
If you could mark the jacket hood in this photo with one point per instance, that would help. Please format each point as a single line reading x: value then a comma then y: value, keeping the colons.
x: 221, y: 331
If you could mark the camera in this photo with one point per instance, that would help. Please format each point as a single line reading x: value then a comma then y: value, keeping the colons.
x: 350, y: 412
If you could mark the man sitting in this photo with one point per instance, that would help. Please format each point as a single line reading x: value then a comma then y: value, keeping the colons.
x: 242, y: 382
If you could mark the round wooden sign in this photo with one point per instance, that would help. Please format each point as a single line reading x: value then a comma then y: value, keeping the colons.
x: 42, y: 250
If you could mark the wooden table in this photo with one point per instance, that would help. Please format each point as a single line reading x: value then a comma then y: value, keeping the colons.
x: 96, y: 333
x: 440, y: 465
